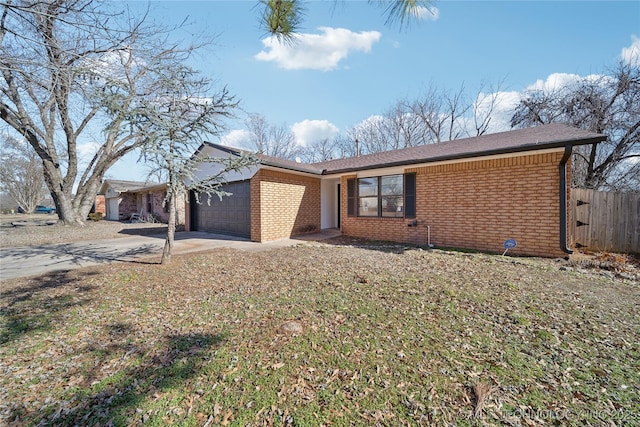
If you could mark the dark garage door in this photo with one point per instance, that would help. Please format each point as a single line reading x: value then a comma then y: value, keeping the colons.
x: 231, y: 215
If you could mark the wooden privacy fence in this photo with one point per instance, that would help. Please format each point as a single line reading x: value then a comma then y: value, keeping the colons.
x: 605, y: 221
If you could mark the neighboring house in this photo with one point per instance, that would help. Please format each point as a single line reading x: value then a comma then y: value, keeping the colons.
x: 142, y: 201
x: 469, y: 193
x: 100, y: 205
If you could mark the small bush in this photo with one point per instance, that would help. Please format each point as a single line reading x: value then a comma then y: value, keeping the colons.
x: 95, y: 216
x: 308, y: 228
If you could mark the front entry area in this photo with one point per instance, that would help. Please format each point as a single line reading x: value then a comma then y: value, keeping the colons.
x: 330, y: 203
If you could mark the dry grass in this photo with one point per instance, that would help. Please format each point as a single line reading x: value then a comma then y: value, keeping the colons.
x: 33, y: 235
x: 347, y: 333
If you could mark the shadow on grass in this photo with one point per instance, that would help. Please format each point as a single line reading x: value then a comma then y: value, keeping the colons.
x: 115, y: 399
x: 375, y: 245
x: 399, y: 247
x: 31, y: 308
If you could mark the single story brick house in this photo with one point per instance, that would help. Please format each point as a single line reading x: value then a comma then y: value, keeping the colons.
x: 122, y: 199
x: 100, y: 205
x: 469, y: 193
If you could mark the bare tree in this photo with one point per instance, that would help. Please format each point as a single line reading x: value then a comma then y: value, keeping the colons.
x: 441, y: 114
x: 345, y: 146
x: 271, y: 140
x: 21, y: 173
x: 607, y: 104
x: 433, y: 117
x: 155, y: 174
x: 176, y: 123
x: 72, y: 71
x: 402, y: 127
x: 398, y: 128
x: 457, y: 107
x: 319, y: 151
x: 484, y: 107
x: 369, y: 136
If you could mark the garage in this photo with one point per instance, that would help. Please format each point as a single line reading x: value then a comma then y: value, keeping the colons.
x: 113, y: 212
x: 231, y: 215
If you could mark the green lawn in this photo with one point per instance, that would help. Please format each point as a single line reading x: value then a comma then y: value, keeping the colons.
x: 390, y: 336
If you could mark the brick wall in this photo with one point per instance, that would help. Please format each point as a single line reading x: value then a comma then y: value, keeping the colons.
x: 478, y: 205
x: 283, y: 205
x: 128, y: 205
x: 159, y: 210
x: 100, y: 205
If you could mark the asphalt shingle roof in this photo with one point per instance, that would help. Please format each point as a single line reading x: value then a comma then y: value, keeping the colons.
x: 122, y: 186
x: 269, y: 160
x: 514, y: 141
x: 535, y: 138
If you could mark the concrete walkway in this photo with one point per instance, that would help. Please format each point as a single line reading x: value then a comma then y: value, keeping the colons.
x: 35, y: 260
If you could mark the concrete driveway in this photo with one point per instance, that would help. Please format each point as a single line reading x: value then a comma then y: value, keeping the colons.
x: 34, y: 260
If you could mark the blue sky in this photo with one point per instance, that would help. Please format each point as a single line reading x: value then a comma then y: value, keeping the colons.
x: 348, y: 65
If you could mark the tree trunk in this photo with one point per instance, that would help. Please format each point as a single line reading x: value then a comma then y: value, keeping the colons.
x: 171, y: 231
x: 64, y: 208
x: 71, y: 210
x: 63, y: 201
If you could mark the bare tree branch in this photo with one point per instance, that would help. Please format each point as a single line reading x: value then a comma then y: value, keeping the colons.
x: 271, y: 140
x: 175, y: 119
x: 608, y: 104
x: 21, y: 173
x: 72, y: 69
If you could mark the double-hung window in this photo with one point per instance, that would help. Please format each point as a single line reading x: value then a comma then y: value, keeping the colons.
x: 368, y: 196
x: 382, y: 196
x: 392, y: 196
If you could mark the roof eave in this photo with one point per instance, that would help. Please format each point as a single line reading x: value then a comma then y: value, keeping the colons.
x: 520, y: 149
x: 224, y: 148
x: 291, y: 168
x: 237, y: 152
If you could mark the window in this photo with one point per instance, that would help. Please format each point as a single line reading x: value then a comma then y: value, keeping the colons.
x: 351, y: 197
x: 391, y: 196
x: 368, y: 196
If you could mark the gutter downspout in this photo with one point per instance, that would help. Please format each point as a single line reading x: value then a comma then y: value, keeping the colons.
x: 563, y: 198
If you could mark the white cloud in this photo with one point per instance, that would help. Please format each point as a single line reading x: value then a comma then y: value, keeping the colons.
x: 238, y: 138
x: 317, y: 51
x: 558, y: 82
x: 426, y: 13
x: 631, y: 55
x: 503, y: 108
x: 87, y: 150
x: 554, y: 82
x: 309, y: 131
x: 373, y: 120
